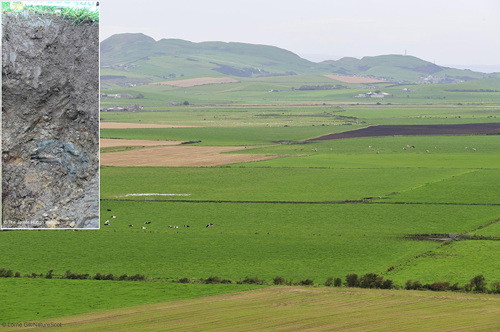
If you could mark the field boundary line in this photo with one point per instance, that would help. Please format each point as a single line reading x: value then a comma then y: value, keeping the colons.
x: 366, y: 202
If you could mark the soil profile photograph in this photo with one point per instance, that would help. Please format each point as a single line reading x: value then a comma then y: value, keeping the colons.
x: 50, y: 115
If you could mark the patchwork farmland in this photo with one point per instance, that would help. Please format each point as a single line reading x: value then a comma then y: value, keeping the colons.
x: 234, y: 191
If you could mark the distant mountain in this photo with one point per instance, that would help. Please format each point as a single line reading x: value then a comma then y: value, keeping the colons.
x: 171, y: 58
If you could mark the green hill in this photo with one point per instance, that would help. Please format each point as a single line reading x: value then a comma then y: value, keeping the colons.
x: 402, y: 68
x: 179, y: 58
x: 142, y: 58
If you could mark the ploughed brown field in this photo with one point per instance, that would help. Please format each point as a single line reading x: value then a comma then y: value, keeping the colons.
x: 180, y: 156
x: 416, y: 130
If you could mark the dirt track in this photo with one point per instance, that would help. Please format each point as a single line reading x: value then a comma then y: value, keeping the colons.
x: 125, y: 125
x: 416, y: 130
x: 179, y: 156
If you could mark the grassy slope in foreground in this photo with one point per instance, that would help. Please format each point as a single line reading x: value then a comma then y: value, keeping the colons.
x: 300, y: 309
x: 23, y: 299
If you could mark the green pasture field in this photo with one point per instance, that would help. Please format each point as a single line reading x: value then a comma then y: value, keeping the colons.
x: 296, y: 241
x: 23, y: 299
x: 490, y: 230
x: 264, y: 184
x: 476, y: 187
x: 444, y: 152
x: 387, y: 161
x: 453, y: 263
x: 308, y: 116
x: 302, y: 309
x: 257, y: 90
x: 422, y: 114
x: 233, y: 136
x: 238, y: 117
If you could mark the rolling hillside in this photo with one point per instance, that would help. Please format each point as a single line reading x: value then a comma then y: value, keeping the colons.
x: 137, y: 56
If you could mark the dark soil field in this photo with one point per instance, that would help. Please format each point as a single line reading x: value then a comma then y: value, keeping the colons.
x: 412, y: 130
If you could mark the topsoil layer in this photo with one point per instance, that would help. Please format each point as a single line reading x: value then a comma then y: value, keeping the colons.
x: 416, y: 130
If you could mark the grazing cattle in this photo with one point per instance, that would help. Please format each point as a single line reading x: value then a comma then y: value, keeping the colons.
x: 109, y: 209
x: 176, y: 226
x: 169, y: 226
x: 473, y: 149
x: 187, y: 226
x: 130, y: 225
x: 210, y: 225
x: 143, y: 227
x: 147, y: 222
x: 106, y: 223
x: 114, y: 217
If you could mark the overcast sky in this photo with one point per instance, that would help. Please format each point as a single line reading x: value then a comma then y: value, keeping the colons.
x: 447, y: 32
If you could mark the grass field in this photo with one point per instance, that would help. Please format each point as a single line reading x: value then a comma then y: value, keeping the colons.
x: 452, y: 262
x: 302, y: 309
x: 322, y: 209
x: 25, y: 299
x: 293, y: 184
x: 296, y: 241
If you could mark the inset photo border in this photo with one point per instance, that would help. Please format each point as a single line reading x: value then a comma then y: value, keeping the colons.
x: 50, y: 115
